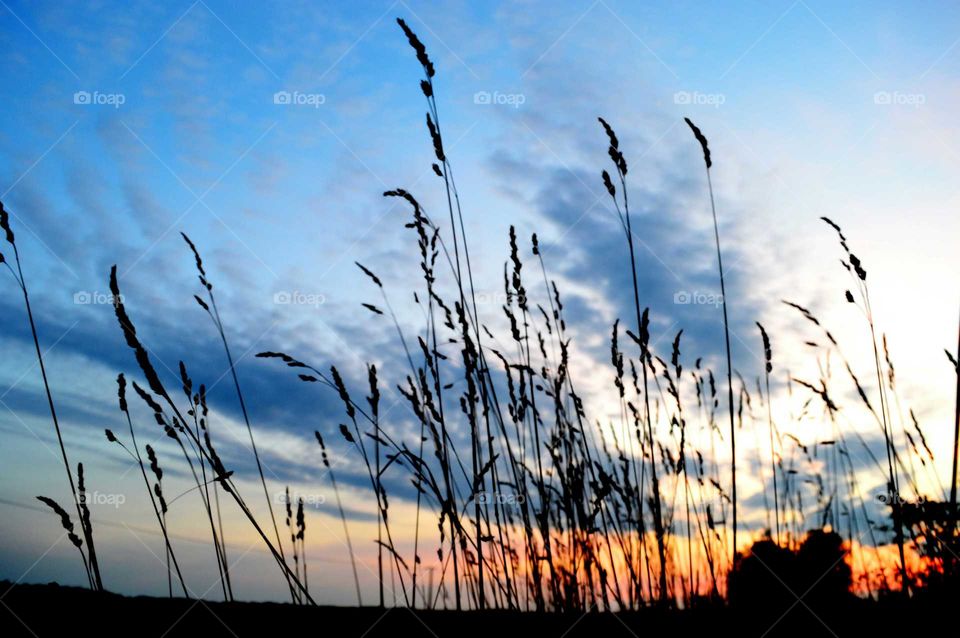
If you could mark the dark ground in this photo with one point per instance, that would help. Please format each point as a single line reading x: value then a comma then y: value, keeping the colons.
x: 51, y: 610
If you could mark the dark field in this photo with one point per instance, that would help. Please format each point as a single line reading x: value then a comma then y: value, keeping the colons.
x: 51, y: 610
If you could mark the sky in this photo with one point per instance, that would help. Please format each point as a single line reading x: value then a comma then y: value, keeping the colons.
x: 268, y: 131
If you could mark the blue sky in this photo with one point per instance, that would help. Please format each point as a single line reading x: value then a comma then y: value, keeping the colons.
x: 124, y: 124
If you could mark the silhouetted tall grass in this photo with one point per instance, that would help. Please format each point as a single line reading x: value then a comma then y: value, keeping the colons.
x: 214, y: 313
x: 538, y: 503
x: 155, y: 493
x: 90, y: 558
x: 708, y: 162
x: 199, y: 440
x: 343, y: 517
x: 956, y: 434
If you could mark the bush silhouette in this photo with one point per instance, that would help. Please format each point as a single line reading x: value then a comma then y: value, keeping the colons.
x: 772, y: 578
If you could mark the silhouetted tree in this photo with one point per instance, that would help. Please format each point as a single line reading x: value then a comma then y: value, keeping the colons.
x: 933, y: 527
x: 769, y: 579
x: 823, y: 574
